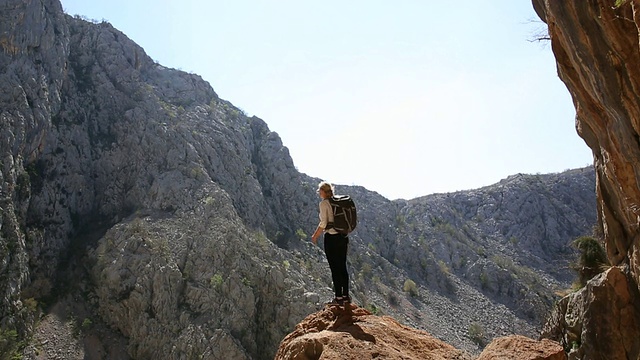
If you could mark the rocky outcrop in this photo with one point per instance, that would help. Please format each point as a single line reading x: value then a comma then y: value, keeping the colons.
x: 521, y: 348
x: 354, y: 333
x: 601, y: 320
x: 351, y: 332
x: 597, y: 49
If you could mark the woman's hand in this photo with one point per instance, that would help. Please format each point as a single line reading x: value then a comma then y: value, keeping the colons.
x: 316, y: 234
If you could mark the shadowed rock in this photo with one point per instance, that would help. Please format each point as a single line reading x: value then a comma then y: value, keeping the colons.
x: 604, y: 309
x: 597, y: 50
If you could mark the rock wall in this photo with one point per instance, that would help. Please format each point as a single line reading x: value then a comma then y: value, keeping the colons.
x: 597, y: 48
x: 34, y: 43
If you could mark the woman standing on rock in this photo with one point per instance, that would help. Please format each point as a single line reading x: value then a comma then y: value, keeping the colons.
x: 335, y: 246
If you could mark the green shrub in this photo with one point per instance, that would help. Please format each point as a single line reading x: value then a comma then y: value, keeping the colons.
x: 373, y: 309
x: 592, y: 259
x: 443, y: 267
x: 410, y: 287
x: 484, y: 280
x: 476, y: 334
x: 86, y: 323
x: 31, y: 304
x: 301, y: 234
x: 620, y: 3
x: 9, y: 345
x: 216, y: 281
x: 366, y: 270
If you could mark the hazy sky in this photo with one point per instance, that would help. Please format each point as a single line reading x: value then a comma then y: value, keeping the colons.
x: 406, y: 98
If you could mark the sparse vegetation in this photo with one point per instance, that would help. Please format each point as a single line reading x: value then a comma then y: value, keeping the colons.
x: 209, y: 200
x: 373, y: 309
x: 216, y: 281
x: 366, y: 270
x: 592, y: 259
x: 9, y: 345
x: 476, y: 334
x: 410, y: 287
x: 31, y: 304
x: 620, y: 3
x: 484, y: 280
x: 137, y: 226
x: 301, y: 234
x: 86, y: 323
x: 443, y: 267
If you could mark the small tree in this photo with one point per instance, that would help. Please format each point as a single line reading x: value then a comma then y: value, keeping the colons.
x: 592, y: 259
x: 476, y: 334
x: 410, y: 287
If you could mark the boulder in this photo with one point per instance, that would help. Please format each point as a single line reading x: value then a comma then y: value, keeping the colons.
x: 518, y: 347
x: 601, y: 321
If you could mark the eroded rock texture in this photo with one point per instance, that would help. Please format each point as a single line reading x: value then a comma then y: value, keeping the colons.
x: 597, y: 49
x: 521, y: 348
x: 600, y: 321
x: 596, y: 46
x: 353, y: 333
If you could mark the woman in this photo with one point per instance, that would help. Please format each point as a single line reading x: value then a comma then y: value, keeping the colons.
x: 335, y: 246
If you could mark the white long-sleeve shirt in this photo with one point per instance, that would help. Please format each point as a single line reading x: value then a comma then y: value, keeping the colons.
x: 326, y: 216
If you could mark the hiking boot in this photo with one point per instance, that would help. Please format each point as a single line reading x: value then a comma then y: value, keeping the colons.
x: 335, y: 301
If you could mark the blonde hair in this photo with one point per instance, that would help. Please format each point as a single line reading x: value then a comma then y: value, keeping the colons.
x: 326, y: 187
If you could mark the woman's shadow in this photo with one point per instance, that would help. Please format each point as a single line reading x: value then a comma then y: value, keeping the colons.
x: 346, y: 321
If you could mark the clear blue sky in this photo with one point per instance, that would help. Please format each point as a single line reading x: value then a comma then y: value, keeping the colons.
x: 423, y: 96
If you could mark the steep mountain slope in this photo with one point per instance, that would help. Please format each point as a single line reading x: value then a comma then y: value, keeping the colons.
x: 157, y: 213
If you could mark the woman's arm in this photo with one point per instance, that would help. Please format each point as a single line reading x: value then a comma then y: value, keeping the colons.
x: 324, y: 208
x: 316, y: 234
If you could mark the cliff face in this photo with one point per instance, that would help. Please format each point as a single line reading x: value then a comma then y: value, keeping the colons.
x: 597, y: 49
x: 171, y: 224
x: 35, y: 43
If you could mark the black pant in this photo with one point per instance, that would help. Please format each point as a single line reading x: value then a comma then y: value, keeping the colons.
x: 335, y: 246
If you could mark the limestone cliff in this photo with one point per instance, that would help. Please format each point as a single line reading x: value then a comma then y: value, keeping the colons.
x: 597, y: 49
x: 147, y: 216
